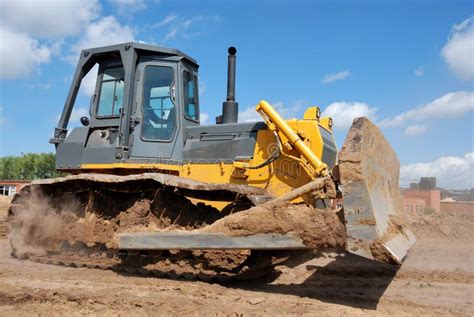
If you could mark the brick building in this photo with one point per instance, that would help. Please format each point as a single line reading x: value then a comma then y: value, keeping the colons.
x: 414, y: 205
x: 11, y: 187
x: 416, y: 200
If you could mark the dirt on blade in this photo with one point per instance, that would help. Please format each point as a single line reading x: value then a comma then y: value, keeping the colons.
x: 318, y: 228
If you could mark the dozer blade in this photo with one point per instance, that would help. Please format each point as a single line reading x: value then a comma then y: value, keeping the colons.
x: 208, y: 241
x: 369, y: 174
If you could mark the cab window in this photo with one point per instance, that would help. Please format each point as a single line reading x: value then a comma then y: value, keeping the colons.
x: 159, y: 113
x: 191, y: 107
x: 111, y: 92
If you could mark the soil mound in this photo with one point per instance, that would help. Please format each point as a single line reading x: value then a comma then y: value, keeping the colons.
x: 449, y: 225
x: 316, y: 227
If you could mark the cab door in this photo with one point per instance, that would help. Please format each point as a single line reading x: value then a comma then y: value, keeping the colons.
x: 155, y: 120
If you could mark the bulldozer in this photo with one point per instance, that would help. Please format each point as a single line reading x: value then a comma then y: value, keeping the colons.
x: 150, y: 190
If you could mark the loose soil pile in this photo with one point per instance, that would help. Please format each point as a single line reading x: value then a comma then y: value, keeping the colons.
x: 445, y: 225
x: 315, y: 227
x: 97, y: 216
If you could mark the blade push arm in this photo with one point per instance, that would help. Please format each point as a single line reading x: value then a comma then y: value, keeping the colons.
x: 276, y: 123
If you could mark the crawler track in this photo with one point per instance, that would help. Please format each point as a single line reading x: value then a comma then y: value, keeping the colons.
x: 73, y: 221
x: 190, y: 265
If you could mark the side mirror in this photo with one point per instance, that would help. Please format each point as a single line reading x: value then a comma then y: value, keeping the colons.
x: 85, y: 121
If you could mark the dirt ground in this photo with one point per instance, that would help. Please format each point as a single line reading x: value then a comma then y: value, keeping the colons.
x: 436, y: 279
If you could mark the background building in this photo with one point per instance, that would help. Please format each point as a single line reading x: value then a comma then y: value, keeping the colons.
x: 416, y: 200
x: 414, y: 205
x: 424, y: 195
x: 11, y: 187
x: 413, y: 185
x: 427, y: 183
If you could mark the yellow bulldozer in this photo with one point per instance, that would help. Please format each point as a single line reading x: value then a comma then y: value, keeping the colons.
x: 151, y: 190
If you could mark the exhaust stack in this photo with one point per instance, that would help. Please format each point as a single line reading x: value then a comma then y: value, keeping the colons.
x: 230, y: 108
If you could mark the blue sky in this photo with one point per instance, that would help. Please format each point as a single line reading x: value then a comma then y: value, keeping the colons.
x: 409, y: 66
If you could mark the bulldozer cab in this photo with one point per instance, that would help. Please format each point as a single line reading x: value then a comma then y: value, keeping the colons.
x: 145, y: 97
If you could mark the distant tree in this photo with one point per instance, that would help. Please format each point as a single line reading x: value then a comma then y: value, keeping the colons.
x: 28, y: 166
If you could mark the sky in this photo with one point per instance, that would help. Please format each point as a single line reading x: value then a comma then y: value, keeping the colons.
x: 407, y: 65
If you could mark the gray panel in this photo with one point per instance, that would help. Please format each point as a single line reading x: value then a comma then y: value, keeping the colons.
x: 193, y: 241
x: 78, y: 135
x: 224, y: 142
x: 68, y: 155
x: 69, y: 152
x: 98, y: 155
x: 193, y: 132
x: 101, y: 138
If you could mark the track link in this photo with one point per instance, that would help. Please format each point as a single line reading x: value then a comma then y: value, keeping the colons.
x: 189, y: 265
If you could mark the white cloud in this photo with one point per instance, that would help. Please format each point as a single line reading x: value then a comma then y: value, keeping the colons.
x: 419, y: 72
x: 32, y: 31
x: 128, y: 6
x: 167, y: 20
x: 250, y: 115
x: 336, y: 76
x: 415, y: 129
x: 171, y: 35
x: 459, y: 50
x: 202, y: 87
x: 451, y: 105
x: 343, y: 113
x: 450, y: 171
x: 203, y: 118
x: 20, y: 54
x: 51, y: 19
x: 76, y: 114
x: 89, y: 81
x: 43, y: 86
x: 181, y: 27
x: 187, y: 23
x: 106, y: 31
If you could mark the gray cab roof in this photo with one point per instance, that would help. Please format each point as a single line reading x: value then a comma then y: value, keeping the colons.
x: 146, y: 48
